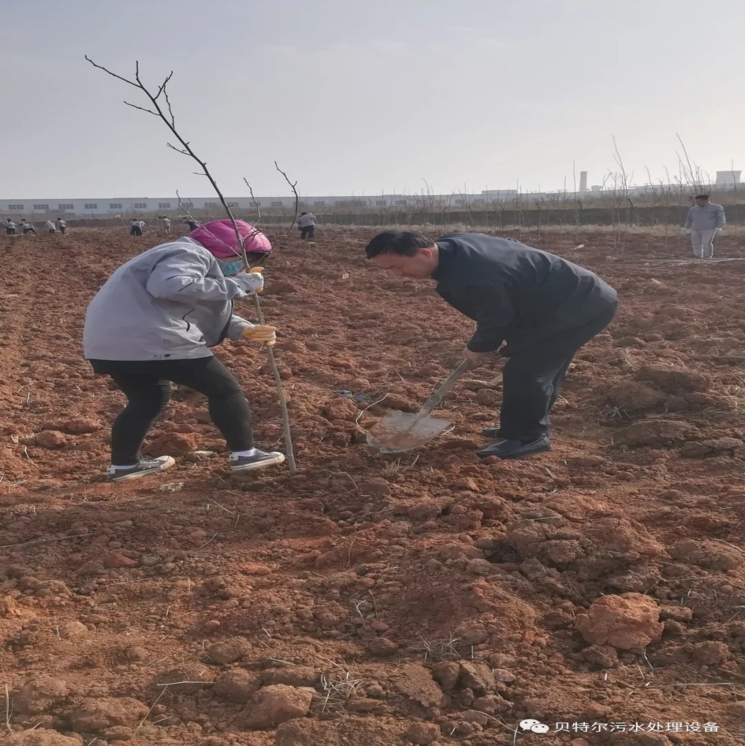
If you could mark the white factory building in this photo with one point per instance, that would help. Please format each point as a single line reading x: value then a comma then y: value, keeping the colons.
x: 112, y: 206
x: 43, y: 208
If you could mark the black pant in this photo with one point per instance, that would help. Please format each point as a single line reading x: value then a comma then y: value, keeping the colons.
x: 62, y: 230
x: 148, y: 391
x: 309, y: 231
x: 10, y: 231
x: 30, y: 230
x: 135, y: 230
x: 533, y: 377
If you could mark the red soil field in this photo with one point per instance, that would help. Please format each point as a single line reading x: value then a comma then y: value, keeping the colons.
x: 378, y: 600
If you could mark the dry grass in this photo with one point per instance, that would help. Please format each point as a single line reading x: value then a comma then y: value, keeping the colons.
x: 448, y: 649
x: 338, y: 688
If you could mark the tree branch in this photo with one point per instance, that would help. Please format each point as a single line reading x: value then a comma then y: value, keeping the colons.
x: 114, y: 75
x: 293, y: 186
x: 253, y: 199
x: 140, y: 108
x: 183, y: 209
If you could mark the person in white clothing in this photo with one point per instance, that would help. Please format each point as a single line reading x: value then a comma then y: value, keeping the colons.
x: 705, y: 219
x: 61, y: 226
x: 165, y: 224
x: 135, y: 227
x: 307, y: 225
x: 49, y: 226
x: 10, y: 227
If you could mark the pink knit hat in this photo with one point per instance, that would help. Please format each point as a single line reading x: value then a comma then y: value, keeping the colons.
x: 218, y: 237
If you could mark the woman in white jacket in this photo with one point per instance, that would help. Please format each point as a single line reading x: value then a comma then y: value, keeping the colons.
x: 154, y: 322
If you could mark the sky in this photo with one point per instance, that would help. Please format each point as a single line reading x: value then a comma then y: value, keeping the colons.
x: 357, y: 97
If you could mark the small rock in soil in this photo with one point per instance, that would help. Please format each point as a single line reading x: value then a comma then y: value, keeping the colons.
x: 708, y: 554
x: 382, y: 647
x: 229, y: 651
x: 603, y: 656
x: 275, y: 704
x: 628, y: 622
x: 634, y: 396
x: 416, y: 683
x: 237, y: 686
x: 51, y: 439
x: 475, y: 716
x: 118, y: 733
x: 115, y: 559
x: 446, y: 674
x: 422, y: 734
x: 711, y: 653
x: 491, y: 704
x: 98, y: 714
x: 38, y: 695
x: 82, y: 426
x: 71, y: 630
x: 173, y: 444
x: 375, y: 487
x: 39, y: 737
x: 477, y: 676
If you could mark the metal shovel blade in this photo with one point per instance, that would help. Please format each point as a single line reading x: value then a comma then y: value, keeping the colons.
x: 399, y: 431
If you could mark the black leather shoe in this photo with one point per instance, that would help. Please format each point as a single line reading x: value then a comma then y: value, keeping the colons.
x: 492, y: 432
x: 514, y: 449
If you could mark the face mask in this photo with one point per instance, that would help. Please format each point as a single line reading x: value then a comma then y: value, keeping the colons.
x: 231, y: 268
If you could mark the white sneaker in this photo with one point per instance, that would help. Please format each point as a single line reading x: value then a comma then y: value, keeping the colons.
x: 145, y: 467
x: 259, y: 460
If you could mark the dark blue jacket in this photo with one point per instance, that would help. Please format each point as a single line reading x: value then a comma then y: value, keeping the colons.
x: 514, y: 293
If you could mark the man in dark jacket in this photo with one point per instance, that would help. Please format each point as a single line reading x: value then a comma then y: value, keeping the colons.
x: 542, y: 307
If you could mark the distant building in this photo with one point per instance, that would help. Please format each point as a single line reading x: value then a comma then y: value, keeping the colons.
x: 728, y: 179
x: 210, y: 207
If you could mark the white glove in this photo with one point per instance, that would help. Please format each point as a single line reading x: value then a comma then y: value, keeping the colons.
x: 252, y: 282
x: 687, y: 230
x: 717, y: 230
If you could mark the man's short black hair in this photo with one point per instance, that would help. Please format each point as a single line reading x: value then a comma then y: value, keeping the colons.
x: 702, y: 196
x: 403, y: 243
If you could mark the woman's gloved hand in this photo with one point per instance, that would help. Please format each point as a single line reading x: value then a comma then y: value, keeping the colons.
x: 251, y: 282
x: 258, y: 271
x: 263, y: 334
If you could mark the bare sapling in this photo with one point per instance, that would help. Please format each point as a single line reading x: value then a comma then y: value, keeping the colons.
x: 161, y: 107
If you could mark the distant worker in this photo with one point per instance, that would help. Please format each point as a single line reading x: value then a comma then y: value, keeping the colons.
x: 307, y: 225
x: 165, y: 224
x: 10, y: 227
x: 705, y: 219
x: 26, y: 227
x: 193, y: 224
x: 135, y: 227
x: 61, y: 226
x: 50, y: 227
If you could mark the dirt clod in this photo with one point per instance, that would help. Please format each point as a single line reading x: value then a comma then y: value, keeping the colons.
x: 39, y: 695
x: 39, y: 737
x: 237, y: 686
x: 627, y: 622
x: 275, y: 704
x: 96, y: 715
x: 422, y: 734
x: 51, y: 439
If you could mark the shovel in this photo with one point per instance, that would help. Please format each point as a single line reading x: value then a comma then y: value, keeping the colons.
x: 400, y: 431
